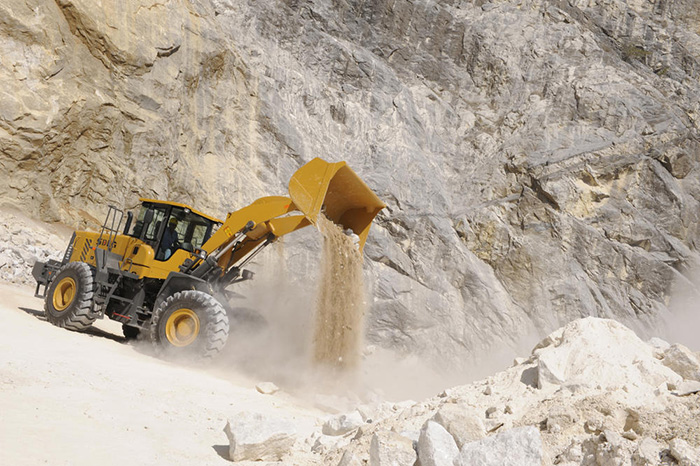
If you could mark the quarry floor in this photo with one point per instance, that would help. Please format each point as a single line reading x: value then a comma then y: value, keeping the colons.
x: 69, y: 398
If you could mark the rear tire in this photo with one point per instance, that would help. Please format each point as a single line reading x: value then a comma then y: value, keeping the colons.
x: 69, y: 297
x: 190, y: 324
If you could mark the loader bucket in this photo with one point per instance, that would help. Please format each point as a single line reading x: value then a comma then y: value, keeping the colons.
x: 337, y: 191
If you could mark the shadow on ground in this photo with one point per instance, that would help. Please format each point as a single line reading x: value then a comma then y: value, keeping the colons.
x: 91, y: 331
x: 222, y: 451
x: 33, y: 312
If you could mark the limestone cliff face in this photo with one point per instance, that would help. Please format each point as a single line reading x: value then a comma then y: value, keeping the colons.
x: 104, y: 102
x: 539, y: 158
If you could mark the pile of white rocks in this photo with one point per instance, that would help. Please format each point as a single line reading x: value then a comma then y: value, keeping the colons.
x: 23, y: 242
x: 591, y: 393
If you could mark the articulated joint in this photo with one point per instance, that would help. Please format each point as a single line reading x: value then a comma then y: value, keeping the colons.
x: 212, y: 260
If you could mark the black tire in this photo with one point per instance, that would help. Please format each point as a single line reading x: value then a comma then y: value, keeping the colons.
x: 69, y: 297
x: 190, y: 324
x: 130, y: 333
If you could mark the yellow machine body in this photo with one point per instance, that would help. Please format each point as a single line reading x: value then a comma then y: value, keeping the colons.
x: 137, y: 256
x: 318, y: 187
x: 335, y: 190
x: 169, y: 268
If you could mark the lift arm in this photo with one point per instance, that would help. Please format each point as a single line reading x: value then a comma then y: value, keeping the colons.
x: 333, y: 189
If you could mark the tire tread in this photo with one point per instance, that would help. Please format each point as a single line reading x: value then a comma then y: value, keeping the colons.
x: 80, y: 316
x: 216, y: 326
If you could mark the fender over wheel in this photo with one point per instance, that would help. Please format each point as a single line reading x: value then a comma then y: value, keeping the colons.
x: 69, y: 297
x: 191, y: 324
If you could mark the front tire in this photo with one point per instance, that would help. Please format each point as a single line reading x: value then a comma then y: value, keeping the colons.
x: 190, y: 324
x: 69, y: 297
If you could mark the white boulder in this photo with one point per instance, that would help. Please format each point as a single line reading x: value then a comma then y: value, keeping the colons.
x: 462, y: 422
x: 516, y: 447
x: 436, y: 447
x: 254, y: 437
x: 594, y: 353
x: 325, y: 443
x: 683, y: 361
x: 687, y: 387
x: 342, y: 424
x: 391, y: 449
x: 647, y: 452
x: 349, y: 458
x: 376, y: 412
x: 267, y: 388
x: 685, y: 454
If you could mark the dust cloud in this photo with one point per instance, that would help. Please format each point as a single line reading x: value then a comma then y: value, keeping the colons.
x: 300, y: 324
x: 270, y: 326
x: 398, y: 376
x: 340, y: 309
x: 681, y: 324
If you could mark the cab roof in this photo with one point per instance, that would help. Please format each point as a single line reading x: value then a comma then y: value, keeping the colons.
x: 178, y: 204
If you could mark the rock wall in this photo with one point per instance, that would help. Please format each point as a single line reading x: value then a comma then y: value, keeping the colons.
x: 539, y: 157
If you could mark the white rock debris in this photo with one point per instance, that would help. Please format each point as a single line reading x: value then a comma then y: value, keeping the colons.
x: 342, y: 424
x: 23, y: 242
x: 590, y: 394
x: 685, y: 454
x: 683, y: 361
x: 255, y: 437
x: 267, y: 388
x: 516, y: 447
x: 391, y: 449
x: 436, y: 447
x: 461, y: 421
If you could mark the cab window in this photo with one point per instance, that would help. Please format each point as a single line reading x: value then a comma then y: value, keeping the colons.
x: 184, y: 230
x: 151, y: 234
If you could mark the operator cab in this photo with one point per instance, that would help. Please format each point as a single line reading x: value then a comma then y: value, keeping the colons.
x: 169, y: 226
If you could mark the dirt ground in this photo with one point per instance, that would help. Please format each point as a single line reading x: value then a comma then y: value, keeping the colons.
x: 69, y: 398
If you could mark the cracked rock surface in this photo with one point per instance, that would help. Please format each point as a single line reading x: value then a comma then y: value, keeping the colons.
x: 539, y: 158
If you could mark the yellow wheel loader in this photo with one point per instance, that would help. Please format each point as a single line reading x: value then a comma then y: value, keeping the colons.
x: 168, y: 271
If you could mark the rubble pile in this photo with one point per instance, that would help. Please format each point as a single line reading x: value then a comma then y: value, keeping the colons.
x: 23, y: 242
x: 591, y: 393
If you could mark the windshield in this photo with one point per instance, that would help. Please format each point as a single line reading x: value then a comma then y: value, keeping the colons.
x: 172, y: 228
x: 151, y: 233
x: 192, y: 230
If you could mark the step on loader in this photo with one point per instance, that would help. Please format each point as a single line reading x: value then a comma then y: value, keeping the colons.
x: 168, y: 272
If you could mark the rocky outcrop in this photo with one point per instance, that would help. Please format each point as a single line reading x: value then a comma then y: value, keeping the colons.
x: 24, y: 241
x: 109, y: 102
x: 538, y: 157
x: 616, y: 404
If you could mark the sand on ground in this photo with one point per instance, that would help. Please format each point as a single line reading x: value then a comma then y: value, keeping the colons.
x: 69, y: 398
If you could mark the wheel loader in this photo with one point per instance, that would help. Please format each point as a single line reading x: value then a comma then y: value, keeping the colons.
x: 169, y: 272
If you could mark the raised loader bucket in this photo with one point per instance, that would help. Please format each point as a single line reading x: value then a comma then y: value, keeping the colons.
x: 337, y: 191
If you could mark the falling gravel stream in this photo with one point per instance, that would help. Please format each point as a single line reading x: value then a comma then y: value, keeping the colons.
x: 341, y: 301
